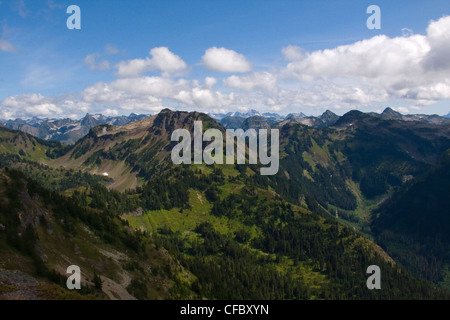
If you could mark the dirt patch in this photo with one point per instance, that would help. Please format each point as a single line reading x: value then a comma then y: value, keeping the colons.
x: 116, y: 256
x: 126, y: 279
x: 115, y: 291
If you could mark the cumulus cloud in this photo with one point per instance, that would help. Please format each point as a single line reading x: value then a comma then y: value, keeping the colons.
x: 100, y: 92
x: 292, y: 53
x: 413, y: 67
x: 162, y: 59
x: 225, y: 60
x: 148, y: 93
x: 166, y: 61
x: 155, y: 86
x: 204, y: 98
x: 110, y: 112
x: 29, y: 105
x: 438, y: 36
x: 374, y: 58
x: 258, y: 80
x: 210, y: 82
x: 132, y: 68
x: 91, y: 62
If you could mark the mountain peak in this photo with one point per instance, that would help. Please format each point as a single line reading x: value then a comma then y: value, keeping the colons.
x: 329, y: 118
x: 167, y: 120
x: 390, y: 114
x: 349, y: 118
x: 89, y: 121
x: 295, y: 115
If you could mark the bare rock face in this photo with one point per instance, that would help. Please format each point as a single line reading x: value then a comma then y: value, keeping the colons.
x: 137, y: 213
x: 21, y: 286
x: 32, y: 214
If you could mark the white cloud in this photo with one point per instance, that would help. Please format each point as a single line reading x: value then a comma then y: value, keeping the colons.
x: 225, y: 60
x: 438, y: 36
x: 132, y: 68
x: 166, y: 61
x: 145, y: 94
x: 162, y: 59
x: 29, y: 105
x: 110, y: 112
x: 70, y: 105
x: 6, y: 46
x: 413, y: 67
x: 375, y: 58
x: 203, y: 98
x: 21, y: 100
x: 155, y: 86
x: 100, y: 92
x: 148, y: 93
x: 258, y: 80
x: 210, y: 82
x: 91, y: 62
x: 44, y: 109
x: 403, y: 110
x: 291, y: 53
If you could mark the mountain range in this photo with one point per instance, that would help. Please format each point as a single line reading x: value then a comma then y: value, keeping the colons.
x: 66, y: 131
x: 352, y: 191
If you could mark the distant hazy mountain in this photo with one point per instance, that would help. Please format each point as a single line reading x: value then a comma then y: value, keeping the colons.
x: 447, y: 116
x: 67, y: 131
x: 328, y: 118
x: 296, y: 115
x: 237, y: 119
x: 251, y: 113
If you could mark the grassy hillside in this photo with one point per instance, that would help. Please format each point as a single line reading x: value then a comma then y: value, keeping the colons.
x: 414, y: 225
x: 43, y: 233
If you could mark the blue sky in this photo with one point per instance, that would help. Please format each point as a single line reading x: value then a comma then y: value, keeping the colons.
x: 217, y: 56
